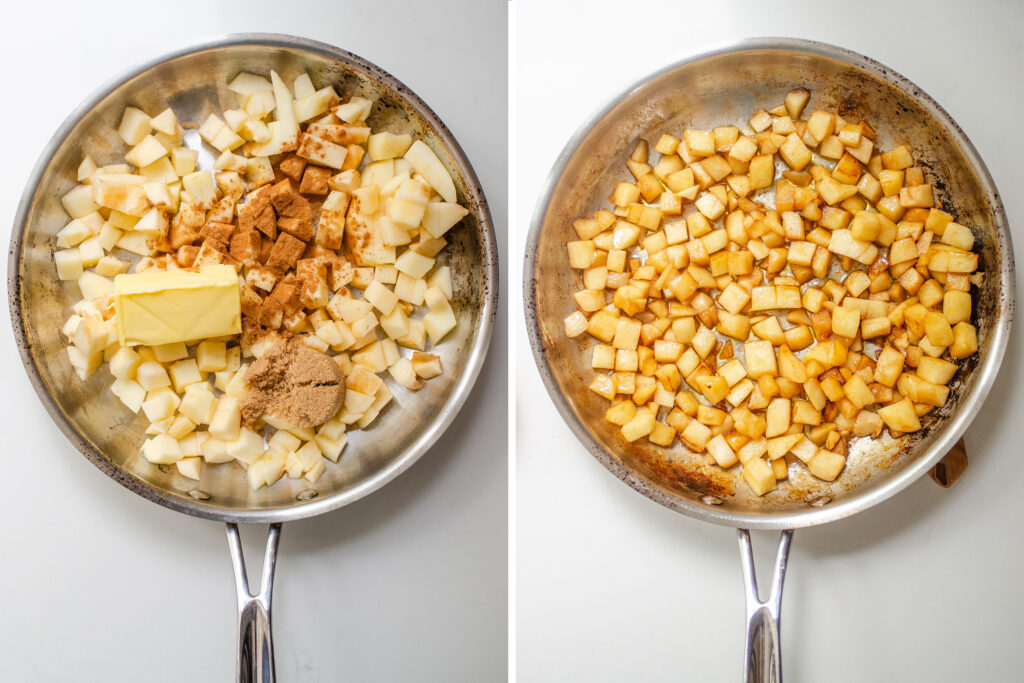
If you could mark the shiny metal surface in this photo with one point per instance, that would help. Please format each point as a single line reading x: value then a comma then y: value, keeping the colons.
x: 763, y: 663
x: 194, y: 82
x: 726, y: 86
x: 255, y: 659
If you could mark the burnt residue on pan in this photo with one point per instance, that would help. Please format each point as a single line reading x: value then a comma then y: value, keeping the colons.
x: 726, y: 88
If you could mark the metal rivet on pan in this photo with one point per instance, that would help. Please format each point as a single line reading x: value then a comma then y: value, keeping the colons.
x: 308, y: 494
x: 820, y: 502
x: 712, y: 500
x: 198, y: 494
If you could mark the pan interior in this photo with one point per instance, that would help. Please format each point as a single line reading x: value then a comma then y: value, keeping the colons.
x: 194, y: 84
x: 726, y: 88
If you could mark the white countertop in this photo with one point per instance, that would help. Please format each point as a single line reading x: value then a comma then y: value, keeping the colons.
x: 97, y: 584
x: 612, y: 586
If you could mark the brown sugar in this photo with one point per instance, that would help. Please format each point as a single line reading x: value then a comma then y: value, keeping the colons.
x: 294, y: 383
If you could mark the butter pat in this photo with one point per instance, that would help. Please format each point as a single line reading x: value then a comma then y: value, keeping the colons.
x: 160, y: 307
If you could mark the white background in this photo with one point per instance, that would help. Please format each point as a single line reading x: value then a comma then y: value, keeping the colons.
x: 613, y: 587
x: 97, y: 584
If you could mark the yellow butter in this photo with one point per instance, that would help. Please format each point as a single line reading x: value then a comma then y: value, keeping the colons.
x: 163, y: 307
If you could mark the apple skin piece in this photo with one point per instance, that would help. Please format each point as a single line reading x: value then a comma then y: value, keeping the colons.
x: 430, y: 167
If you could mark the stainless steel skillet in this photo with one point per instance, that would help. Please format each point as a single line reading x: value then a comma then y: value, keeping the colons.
x: 194, y: 82
x: 726, y: 86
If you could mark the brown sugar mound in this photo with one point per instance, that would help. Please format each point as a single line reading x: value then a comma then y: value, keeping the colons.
x: 294, y: 383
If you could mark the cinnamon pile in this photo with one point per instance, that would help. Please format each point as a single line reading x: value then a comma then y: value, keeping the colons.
x: 286, y: 269
x: 294, y: 383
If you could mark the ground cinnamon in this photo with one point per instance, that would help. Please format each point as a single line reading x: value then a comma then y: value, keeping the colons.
x: 294, y: 383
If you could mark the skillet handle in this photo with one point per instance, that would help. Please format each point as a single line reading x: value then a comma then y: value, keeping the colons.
x: 255, y: 660
x: 763, y: 659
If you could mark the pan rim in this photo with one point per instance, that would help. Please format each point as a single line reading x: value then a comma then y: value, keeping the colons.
x: 298, y: 509
x: 952, y: 429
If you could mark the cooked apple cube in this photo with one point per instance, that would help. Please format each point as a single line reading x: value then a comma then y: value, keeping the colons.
x: 696, y: 435
x: 575, y: 324
x: 900, y: 416
x: 760, y: 358
x: 777, y: 417
x: 794, y: 152
x: 796, y: 100
x: 845, y: 321
x: 826, y: 465
x: 937, y: 329
x: 641, y: 425
x: 759, y: 475
x: 936, y: 370
x: 965, y: 340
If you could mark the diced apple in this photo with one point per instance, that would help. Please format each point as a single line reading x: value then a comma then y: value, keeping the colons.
x: 160, y: 404
x: 124, y: 363
x: 246, y: 447
x: 227, y: 419
x: 191, y: 467
x: 430, y: 167
x: 130, y: 392
x: 162, y: 450
x: 201, y: 186
x: 135, y: 125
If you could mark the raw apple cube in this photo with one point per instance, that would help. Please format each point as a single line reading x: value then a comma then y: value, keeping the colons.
x: 292, y: 466
x: 73, y: 233
x: 160, y: 404
x: 201, y: 186
x: 184, y: 160
x: 272, y: 464
x: 387, y: 145
x: 69, y: 264
x: 316, y: 472
x: 130, y: 392
x: 246, y: 447
x: 227, y: 419
x: 152, y: 375
x: 181, y: 426
x: 331, y: 448
x: 145, y: 152
x: 215, y: 451
x: 91, y: 336
x: 198, y: 403
x: 165, y: 122
x: 965, y: 340
x: 403, y: 373
x: 124, y: 363
x: 84, y: 365
x: 211, y: 356
x: 135, y: 125
x: 354, y: 111
x: 162, y: 450
x: 430, y: 167
x: 321, y: 151
x: 191, y: 467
